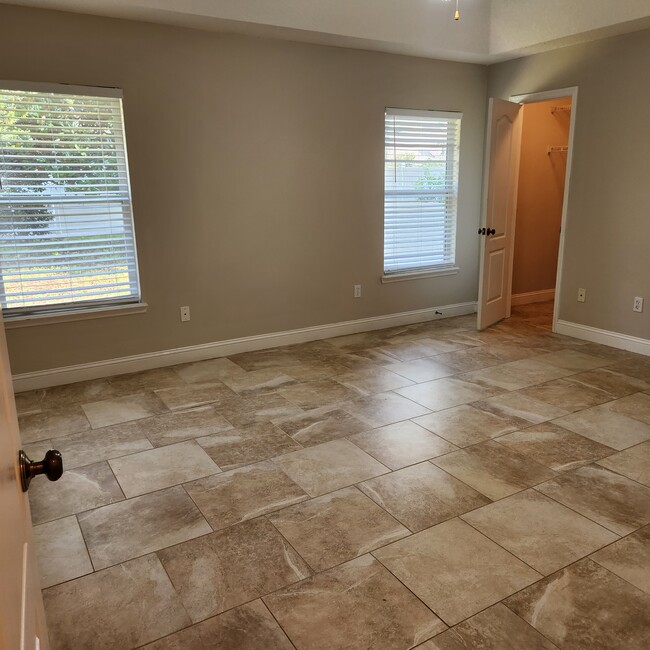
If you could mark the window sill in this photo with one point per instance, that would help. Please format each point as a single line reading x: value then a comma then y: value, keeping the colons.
x: 83, y: 314
x: 419, y: 275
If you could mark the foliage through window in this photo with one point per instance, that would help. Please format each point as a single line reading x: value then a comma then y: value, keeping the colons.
x: 420, y: 190
x: 66, y: 225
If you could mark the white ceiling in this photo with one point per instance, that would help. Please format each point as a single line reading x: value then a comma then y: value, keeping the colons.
x: 489, y: 30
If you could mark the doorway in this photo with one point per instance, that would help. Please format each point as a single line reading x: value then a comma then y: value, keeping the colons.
x: 538, y: 217
x: 551, y: 117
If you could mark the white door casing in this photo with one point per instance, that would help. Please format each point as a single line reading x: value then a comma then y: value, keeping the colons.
x: 499, y: 211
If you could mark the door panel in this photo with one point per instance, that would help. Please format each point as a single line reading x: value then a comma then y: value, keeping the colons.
x: 22, y: 619
x: 501, y: 175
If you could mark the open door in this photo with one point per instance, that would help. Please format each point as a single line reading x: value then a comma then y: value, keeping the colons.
x: 500, y: 205
x: 22, y: 619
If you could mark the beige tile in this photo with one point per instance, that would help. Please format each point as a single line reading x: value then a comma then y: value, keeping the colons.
x: 29, y: 402
x: 539, y: 531
x: 244, y: 493
x: 455, y: 570
x: 633, y: 463
x: 313, y: 370
x: 230, y: 567
x: 191, y: 395
x: 422, y: 495
x: 516, y: 374
x: 611, y: 380
x: 423, y: 347
x: 401, y: 444
x: 421, y: 370
x: 210, y: 370
x: 61, y: 551
x: 268, y: 407
x: 496, y: 628
x: 629, y: 558
x: 321, y: 425
x: 159, y: 468
x: 125, y: 530
x: 270, y: 358
x: 178, y: 426
x: 555, y: 446
x: 82, y: 391
x: 329, y: 466
x: 573, y: 360
x: 247, y: 445
x: 609, y: 428
x: 249, y: 627
x: 637, y: 366
x: 77, y: 490
x: 567, y: 395
x: 356, y: 605
x: 371, y: 382
x: 123, y: 409
x: 520, y: 408
x: 89, y: 447
x: 145, y: 380
x: 493, y: 469
x: 52, y: 423
x: 634, y: 406
x: 585, y: 606
x: 312, y: 394
x: 466, y: 425
x: 258, y: 382
x: 122, y: 607
x: 603, y: 496
x: 445, y: 393
x: 321, y: 529
x: 384, y: 408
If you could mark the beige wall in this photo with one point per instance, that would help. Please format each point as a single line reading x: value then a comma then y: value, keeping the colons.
x: 608, y: 226
x: 539, y: 196
x: 257, y: 176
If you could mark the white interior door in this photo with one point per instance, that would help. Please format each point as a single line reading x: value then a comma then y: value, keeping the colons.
x: 498, y: 224
x: 22, y: 619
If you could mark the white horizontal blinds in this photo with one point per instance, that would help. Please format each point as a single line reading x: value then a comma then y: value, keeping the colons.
x: 420, y: 190
x: 66, y: 225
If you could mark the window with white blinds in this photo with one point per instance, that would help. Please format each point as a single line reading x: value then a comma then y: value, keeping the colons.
x: 66, y: 223
x: 420, y: 190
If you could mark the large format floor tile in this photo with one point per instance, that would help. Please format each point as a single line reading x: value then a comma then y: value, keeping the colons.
x: 52, y: 423
x: 329, y: 466
x: 520, y: 408
x: 496, y: 628
x: 517, y: 374
x: 356, y: 605
x: 123, y: 409
x: 321, y: 531
x: 244, y: 493
x: 455, y: 570
x: 122, y: 607
x: 611, y: 500
x: 539, y: 531
x: 586, y: 606
x: 633, y: 463
x: 249, y: 627
x: 321, y: 425
x: 493, y: 469
x: 138, y: 526
x: 422, y: 495
x: 447, y: 392
x: 230, y: 567
x: 382, y: 409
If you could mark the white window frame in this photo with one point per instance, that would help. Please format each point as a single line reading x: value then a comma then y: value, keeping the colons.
x: 92, y: 308
x: 447, y: 266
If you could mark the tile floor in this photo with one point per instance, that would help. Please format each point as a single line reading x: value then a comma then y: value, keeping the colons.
x: 426, y: 486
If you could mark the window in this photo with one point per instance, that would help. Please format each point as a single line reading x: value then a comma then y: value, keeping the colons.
x: 420, y: 190
x: 66, y: 225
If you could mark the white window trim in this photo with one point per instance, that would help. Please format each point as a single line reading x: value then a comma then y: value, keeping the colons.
x: 419, y: 275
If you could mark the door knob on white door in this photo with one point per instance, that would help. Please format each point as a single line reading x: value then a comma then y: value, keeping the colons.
x: 51, y: 466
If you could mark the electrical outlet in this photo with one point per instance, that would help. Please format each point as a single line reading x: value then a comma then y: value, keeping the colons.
x: 638, y: 304
x: 185, y: 314
x: 357, y: 291
x: 582, y: 295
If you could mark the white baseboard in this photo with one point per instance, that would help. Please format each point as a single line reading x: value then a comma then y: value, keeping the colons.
x: 532, y: 296
x: 162, y: 358
x: 595, y: 335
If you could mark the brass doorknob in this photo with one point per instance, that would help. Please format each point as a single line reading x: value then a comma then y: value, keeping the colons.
x: 51, y: 466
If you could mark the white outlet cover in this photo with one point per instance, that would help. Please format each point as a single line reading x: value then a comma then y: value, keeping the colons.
x: 638, y: 304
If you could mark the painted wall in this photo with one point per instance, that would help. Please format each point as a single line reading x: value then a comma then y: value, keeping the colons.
x: 608, y: 226
x: 539, y: 197
x: 257, y: 177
